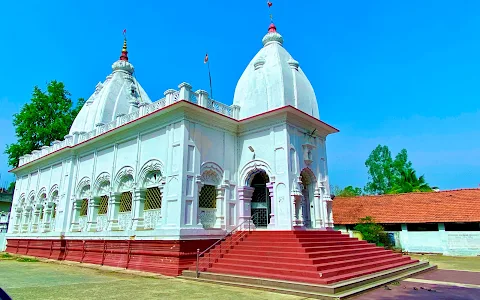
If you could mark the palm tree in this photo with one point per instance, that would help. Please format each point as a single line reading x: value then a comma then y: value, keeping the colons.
x: 408, y: 182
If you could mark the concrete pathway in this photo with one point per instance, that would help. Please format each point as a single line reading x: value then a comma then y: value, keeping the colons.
x: 436, y: 284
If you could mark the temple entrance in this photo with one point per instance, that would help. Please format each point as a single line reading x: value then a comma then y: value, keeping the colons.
x: 261, y: 204
x: 308, y: 180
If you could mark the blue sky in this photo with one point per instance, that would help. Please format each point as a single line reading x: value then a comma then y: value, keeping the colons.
x: 405, y: 74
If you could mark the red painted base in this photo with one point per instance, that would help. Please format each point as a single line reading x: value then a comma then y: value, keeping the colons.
x: 163, y: 257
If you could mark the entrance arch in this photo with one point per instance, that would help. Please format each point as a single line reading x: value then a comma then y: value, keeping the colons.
x: 308, y: 190
x: 261, y: 204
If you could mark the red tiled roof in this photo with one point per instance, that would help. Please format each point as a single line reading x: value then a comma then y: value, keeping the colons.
x: 445, y: 206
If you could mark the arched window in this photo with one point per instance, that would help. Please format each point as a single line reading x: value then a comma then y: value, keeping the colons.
x: 126, y: 202
x: 84, y: 207
x: 208, y: 197
x: 103, y: 205
x: 153, y: 198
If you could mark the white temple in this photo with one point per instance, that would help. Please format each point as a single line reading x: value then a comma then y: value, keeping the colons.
x: 185, y: 166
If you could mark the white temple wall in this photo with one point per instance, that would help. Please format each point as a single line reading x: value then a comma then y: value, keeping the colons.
x: 206, y: 148
x: 270, y: 144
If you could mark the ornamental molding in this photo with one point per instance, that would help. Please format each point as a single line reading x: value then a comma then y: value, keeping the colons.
x: 102, y: 184
x: 253, y: 167
x: 43, y: 191
x: 83, y: 188
x: 211, y: 173
x: 124, y: 179
x: 151, y: 174
x: 53, y: 189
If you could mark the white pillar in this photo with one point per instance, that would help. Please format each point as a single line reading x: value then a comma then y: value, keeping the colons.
x: 202, y: 98
x: 113, y: 210
x: 245, y: 208
x: 185, y: 90
x: 138, y: 209
x: 93, y: 205
x: 77, y: 206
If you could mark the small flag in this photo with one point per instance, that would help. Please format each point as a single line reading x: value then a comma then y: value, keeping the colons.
x: 269, y: 4
x: 206, y: 59
x: 124, y: 32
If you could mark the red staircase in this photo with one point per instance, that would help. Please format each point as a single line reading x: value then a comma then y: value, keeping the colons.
x: 321, y: 257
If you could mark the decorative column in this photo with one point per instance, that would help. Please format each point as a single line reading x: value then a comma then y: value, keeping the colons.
x: 114, y: 209
x: 198, y: 181
x: 219, y: 214
x: 317, y: 200
x: 47, y: 217
x: 297, y: 197
x: 77, y: 206
x: 185, y: 90
x: 236, y: 111
x: 245, y: 208
x: 18, y: 220
x: 270, y: 187
x: 328, y: 205
x: 138, y: 209
x: 26, y: 219
x: 93, y: 206
x: 202, y: 98
x: 169, y: 96
x: 36, y: 217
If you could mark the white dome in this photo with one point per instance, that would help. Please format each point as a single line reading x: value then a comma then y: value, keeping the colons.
x: 274, y: 79
x: 120, y: 94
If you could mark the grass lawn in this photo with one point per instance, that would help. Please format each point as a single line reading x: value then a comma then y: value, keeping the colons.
x: 460, y: 263
x: 40, y: 280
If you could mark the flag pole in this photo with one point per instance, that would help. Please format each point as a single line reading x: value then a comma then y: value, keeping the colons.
x: 207, y: 61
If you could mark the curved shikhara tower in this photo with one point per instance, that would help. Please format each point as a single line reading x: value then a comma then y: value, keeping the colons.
x: 274, y: 79
x: 119, y: 94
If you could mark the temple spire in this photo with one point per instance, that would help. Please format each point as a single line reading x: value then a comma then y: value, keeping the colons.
x: 124, y: 55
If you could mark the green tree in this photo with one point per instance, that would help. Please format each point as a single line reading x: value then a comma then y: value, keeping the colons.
x: 348, y: 191
x: 46, y: 118
x: 409, y: 182
x: 387, y: 176
x: 372, y: 232
x: 11, y: 187
x: 380, y: 171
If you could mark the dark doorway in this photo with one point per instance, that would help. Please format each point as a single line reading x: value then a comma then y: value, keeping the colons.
x: 261, y: 204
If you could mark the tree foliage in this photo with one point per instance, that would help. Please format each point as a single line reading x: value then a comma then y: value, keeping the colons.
x: 372, y: 232
x: 392, y: 176
x: 46, y: 118
x: 348, y: 191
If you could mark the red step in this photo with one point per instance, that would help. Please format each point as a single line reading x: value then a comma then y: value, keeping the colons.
x: 303, y: 256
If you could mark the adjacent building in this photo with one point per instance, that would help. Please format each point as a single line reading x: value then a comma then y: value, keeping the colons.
x: 446, y: 222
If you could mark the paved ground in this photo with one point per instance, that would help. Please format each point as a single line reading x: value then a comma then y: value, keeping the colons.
x: 442, y: 284
x: 40, y: 280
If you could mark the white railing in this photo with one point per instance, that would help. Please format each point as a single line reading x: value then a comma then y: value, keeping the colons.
x: 125, y: 220
x: 152, y: 218
x: 207, y: 217
x: 219, y: 107
x: 82, y: 223
x: 102, y: 222
x: 171, y: 96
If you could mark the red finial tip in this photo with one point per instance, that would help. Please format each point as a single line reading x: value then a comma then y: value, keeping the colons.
x: 272, y: 28
x: 124, y: 55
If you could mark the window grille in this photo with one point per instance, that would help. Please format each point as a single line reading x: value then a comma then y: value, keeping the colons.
x: 126, y: 202
x: 84, y: 207
x: 54, y: 211
x: 41, y: 214
x: 153, y: 198
x: 208, y: 197
x: 103, y: 205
